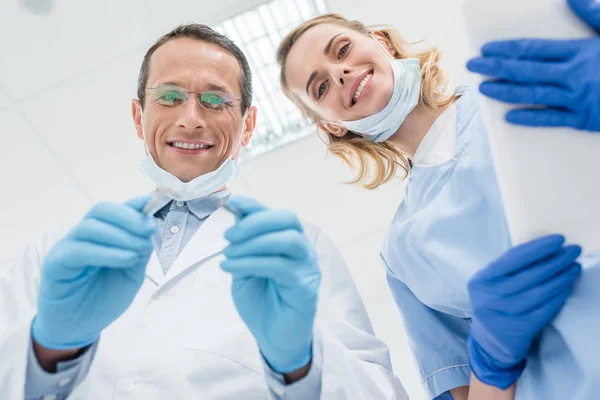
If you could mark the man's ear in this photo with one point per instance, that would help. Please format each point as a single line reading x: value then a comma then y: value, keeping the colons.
x: 250, y: 122
x: 136, y: 113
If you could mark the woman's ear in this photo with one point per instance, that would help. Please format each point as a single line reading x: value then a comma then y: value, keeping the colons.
x: 334, y: 129
x: 384, y: 42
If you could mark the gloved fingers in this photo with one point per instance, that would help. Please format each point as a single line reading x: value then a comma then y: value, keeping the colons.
x: 124, y: 217
x: 560, y: 284
x: 246, y: 205
x: 280, y: 269
x: 522, y: 256
x: 99, y: 232
x: 138, y: 203
x: 546, y: 95
x: 541, y: 272
x: 519, y: 71
x: 288, y: 243
x: 547, y: 311
x: 531, y: 49
x: 588, y: 11
x: 250, y: 289
x: 261, y: 222
x: 76, y: 254
x: 548, y: 117
x: 137, y: 273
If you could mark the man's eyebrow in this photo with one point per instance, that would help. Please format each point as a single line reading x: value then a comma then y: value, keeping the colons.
x: 217, y: 87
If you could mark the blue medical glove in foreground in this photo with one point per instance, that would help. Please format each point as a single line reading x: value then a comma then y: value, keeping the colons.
x: 561, y: 76
x: 91, y: 276
x: 276, y: 281
x: 513, y: 299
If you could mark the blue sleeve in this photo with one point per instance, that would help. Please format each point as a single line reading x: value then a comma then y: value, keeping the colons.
x: 40, y: 384
x: 438, y: 341
x: 444, y: 396
x: 308, y: 387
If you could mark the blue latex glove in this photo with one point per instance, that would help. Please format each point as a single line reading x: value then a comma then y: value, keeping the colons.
x: 513, y: 299
x: 559, y: 77
x: 91, y: 276
x: 276, y: 281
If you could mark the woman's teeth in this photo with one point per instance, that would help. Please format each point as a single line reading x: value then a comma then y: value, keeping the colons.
x: 190, y: 146
x: 361, y: 87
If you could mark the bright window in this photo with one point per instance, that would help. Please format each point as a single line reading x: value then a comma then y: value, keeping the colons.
x: 258, y: 33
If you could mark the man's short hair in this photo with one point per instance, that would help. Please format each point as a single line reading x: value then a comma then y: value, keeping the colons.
x: 206, y: 34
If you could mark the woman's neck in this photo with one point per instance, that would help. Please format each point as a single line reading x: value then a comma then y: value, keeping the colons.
x: 412, y: 131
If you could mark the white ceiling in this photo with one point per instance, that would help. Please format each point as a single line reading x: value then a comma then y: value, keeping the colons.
x: 4, y: 101
x: 75, y: 37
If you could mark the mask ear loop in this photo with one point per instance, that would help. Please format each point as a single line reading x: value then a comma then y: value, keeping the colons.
x: 146, y: 150
x: 240, y: 140
x: 224, y: 202
x: 380, y: 45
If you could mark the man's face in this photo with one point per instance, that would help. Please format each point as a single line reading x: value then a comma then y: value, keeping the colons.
x: 184, y: 138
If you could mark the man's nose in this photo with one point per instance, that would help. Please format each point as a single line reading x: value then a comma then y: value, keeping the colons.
x: 192, y: 116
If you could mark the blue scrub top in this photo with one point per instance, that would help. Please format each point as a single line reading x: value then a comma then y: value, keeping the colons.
x: 450, y: 224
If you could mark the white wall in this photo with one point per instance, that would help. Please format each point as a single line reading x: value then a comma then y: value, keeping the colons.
x: 67, y: 138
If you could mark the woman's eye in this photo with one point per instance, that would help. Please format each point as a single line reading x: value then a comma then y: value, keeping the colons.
x: 344, y: 50
x: 322, y: 88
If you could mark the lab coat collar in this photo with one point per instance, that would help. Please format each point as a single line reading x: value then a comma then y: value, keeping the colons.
x: 207, y: 242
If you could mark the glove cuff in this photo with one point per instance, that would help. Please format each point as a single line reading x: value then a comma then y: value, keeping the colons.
x: 284, y: 365
x: 488, y: 370
x: 37, y: 333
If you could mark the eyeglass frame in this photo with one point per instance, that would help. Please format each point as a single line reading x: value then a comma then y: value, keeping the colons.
x: 228, y: 102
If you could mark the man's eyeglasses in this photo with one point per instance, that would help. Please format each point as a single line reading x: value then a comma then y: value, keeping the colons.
x: 171, y: 95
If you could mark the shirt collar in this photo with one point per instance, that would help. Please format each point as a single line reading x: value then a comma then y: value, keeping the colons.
x: 201, y: 207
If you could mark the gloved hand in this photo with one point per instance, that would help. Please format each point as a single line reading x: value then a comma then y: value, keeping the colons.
x: 513, y: 299
x: 276, y: 282
x: 559, y: 75
x: 91, y: 276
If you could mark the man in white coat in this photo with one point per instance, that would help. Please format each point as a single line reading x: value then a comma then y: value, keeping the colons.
x: 120, y: 308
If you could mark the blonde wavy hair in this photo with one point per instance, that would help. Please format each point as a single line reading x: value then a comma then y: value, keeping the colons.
x: 373, y: 163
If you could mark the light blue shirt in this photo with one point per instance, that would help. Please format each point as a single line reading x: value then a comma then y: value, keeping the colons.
x: 450, y: 225
x: 177, y: 224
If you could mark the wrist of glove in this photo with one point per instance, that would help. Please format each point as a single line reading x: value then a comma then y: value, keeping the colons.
x: 47, y: 334
x: 285, y: 361
x: 494, y: 371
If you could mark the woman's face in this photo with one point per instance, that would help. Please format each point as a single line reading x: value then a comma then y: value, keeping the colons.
x: 341, y: 74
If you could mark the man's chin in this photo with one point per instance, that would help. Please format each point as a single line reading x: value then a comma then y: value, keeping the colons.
x: 186, y: 176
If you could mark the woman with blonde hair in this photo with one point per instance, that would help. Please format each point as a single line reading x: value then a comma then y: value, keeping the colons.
x: 386, y: 110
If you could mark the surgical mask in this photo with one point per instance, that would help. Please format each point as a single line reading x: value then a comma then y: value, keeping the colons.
x: 405, y: 97
x: 200, y: 186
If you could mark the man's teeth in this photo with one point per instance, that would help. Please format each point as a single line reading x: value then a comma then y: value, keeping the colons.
x: 190, y: 146
x: 361, y: 87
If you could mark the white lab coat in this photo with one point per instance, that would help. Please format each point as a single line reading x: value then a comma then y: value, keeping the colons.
x: 182, y: 337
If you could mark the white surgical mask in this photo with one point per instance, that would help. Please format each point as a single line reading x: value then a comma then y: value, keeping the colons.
x: 405, y: 97
x: 200, y: 186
